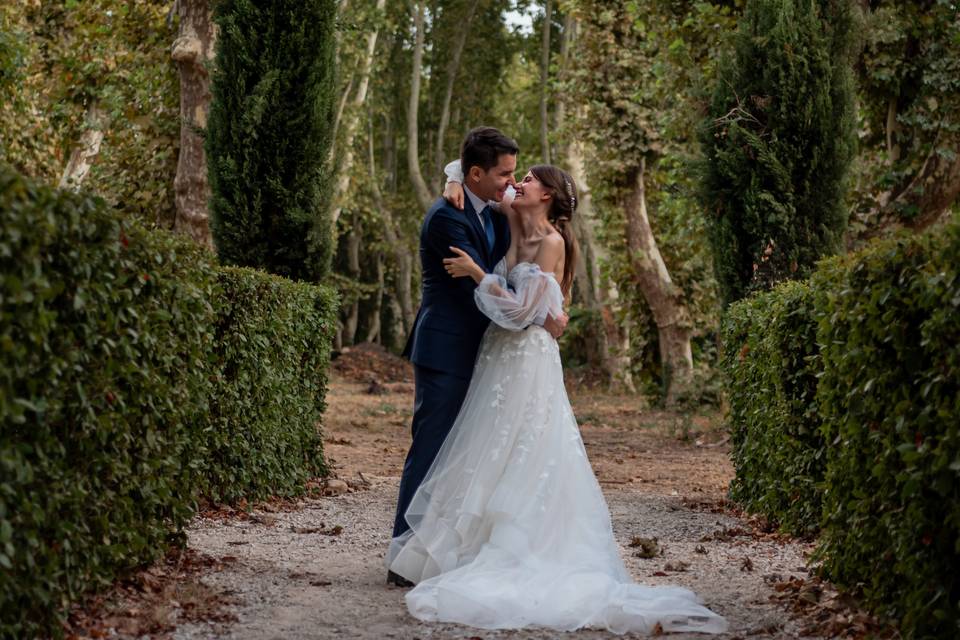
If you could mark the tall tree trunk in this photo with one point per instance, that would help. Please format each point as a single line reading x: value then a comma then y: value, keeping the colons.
x: 611, y: 338
x: 452, y: 69
x: 81, y: 159
x: 936, y: 185
x: 337, y: 118
x: 544, y: 77
x: 192, y: 50
x: 343, y: 169
x: 674, y: 326
x: 352, y: 317
x: 373, y: 331
x: 402, y: 257
x: 413, y: 151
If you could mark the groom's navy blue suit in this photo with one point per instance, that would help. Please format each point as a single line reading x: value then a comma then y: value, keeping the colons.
x: 446, y: 334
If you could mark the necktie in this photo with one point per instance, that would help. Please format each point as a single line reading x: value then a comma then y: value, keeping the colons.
x: 488, y: 227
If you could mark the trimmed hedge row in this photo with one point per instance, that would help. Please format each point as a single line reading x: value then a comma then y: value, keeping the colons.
x: 889, y: 326
x: 880, y: 330
x: 101, y: 387
x: 771, y: 370
x: 273, y: 339
x: 123, y: 355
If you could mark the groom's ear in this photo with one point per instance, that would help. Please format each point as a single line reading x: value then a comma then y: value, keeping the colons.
x: 475, y: 173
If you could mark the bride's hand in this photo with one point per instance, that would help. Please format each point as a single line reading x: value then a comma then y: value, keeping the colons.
x: 462, y: 265
x: 453, y: 193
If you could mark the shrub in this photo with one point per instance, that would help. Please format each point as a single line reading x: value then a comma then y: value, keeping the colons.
x: 103, y: 338
x: 268, y: 135
x: 778, y: 141
x: 133, y: 375
x: 272, y: 352
x: 889, y: 325
x: 771, y: 362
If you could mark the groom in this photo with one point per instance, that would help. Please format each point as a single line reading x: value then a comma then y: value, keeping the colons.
x: 447, y: 332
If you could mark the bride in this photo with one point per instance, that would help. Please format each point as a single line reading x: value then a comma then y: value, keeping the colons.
x: 509, y: 528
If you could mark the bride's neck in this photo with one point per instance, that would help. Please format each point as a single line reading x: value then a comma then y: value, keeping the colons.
x: 534, y: 224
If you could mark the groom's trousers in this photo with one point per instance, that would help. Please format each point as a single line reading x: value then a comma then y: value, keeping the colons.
x: 437, y: 400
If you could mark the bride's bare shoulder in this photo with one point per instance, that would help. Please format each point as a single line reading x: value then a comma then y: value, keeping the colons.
x: 550, y: 252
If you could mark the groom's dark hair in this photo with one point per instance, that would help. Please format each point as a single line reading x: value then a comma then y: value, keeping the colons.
x: 483, y: 147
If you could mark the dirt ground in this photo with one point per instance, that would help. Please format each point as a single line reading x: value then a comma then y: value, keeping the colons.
x: 313, y: 568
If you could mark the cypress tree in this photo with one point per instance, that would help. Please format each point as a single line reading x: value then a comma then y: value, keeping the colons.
x: 269, y: 132
x: 778, y: 142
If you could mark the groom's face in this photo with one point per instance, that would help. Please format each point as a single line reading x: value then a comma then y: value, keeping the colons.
x: 494, y: 182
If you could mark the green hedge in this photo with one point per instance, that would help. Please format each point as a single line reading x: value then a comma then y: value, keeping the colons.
x: 889, y: 323
x: 876, y: 465
x: 770, y: 360
x: 103, y: 332
x: 134, y: 376
x: 273, y: 341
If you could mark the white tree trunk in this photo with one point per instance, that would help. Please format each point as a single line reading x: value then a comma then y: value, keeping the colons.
x: 674, y: 326
x: 343, y: 169
x: 452, y: 70
x: 413, y: 151
x: 544, y: 77
x: 192, y: 51
x: 81, y: 159
x: 352, y: 317
x: 373, y: 332
x: 402, y: 257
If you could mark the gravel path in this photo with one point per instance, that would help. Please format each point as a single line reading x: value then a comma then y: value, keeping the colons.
x: 289, y: 578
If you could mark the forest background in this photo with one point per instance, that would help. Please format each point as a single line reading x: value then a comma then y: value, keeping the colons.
x: 112, y: 96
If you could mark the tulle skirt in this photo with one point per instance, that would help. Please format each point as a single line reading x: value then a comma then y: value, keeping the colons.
x: 510, y: 528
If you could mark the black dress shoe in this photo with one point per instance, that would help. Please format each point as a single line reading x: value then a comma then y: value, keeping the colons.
x: 397, y: 580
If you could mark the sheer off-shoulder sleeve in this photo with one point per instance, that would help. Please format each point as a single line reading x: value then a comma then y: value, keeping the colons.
x: 535, y: 294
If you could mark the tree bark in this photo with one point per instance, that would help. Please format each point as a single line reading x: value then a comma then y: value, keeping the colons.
x: 610, y: 337
x: 935, y: 187
x: 343, y: 169
x: 353, y: 266
x: 413, y: 151
x: 373, y: 331
x: 402, y: 257
x: 81, y: 159
x: 544, y: 77
x: 192, y: 50
x: 452, y: 70
x: 674, y: 326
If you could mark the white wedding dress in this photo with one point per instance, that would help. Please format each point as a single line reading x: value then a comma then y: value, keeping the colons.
x: 509, y: 528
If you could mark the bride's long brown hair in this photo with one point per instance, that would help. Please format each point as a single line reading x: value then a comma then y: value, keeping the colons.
x: 562, y: 207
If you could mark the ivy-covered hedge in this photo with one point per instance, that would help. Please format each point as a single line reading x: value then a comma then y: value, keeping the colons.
x: 273, y: 340
x: 135, y: 375
x: 889, y: 396
x: 103, y: 338
x: 877, y: 468
x: 771, y: 365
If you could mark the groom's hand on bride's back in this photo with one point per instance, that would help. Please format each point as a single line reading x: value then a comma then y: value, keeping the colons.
x: 453, y: 193
x: 556, y: 326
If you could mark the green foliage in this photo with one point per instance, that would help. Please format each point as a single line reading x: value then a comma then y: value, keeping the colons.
x: 68, y: 56
x: 778, y: 142
x: 135, y: 375
x: 268, y: 135
x: 272, y: 351
x: 771, y: 364
x: 889, y: 396
x: 104, y: 330
x: 872, y: 457
x: 909, y: 77
x: 636, y: 68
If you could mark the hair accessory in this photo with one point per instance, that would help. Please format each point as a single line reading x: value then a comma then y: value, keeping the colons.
x: 573, y: 201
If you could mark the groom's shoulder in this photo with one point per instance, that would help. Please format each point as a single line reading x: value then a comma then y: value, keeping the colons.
x: 443, y: 209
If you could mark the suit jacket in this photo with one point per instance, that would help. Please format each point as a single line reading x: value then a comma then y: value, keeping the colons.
x: 447, y: 332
